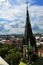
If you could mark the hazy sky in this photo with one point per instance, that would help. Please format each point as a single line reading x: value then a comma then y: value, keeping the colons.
x: 13, y: 16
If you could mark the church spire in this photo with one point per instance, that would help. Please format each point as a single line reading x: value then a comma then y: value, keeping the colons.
x: 29, y: 41
x: 28, y: 30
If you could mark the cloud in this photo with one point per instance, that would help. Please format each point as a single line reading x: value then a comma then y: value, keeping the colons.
x: 36, y: 17
x: 13, y: 15
x: 17, y: 30
x: 36, y: 14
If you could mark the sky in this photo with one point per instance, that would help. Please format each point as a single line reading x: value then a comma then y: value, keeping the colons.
x: 13, y: 16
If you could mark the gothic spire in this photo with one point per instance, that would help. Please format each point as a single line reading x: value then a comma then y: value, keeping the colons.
x: 28, y: 30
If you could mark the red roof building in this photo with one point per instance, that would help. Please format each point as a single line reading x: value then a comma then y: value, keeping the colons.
x: 40, y: 52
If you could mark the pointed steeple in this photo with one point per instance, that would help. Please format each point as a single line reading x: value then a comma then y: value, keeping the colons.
x: 29, y: 39
x: 28, y: 30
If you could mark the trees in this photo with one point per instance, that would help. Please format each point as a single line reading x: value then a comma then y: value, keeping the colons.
x: 3, y: 50
x: 38, y: 62
x: 13, y: 58
x: 11, y: 54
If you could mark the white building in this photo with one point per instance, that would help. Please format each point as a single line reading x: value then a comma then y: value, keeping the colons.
x: 39, y: 40
x: 3, y: 62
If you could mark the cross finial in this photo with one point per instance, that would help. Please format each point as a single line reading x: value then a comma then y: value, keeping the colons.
x: 27, y: 3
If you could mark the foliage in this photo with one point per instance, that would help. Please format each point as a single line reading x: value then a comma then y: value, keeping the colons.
x: 38, y: 62
x: 13, y: 57
x: 11, y: 54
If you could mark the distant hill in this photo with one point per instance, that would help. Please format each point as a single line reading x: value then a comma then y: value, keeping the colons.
x: 38, y: 62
